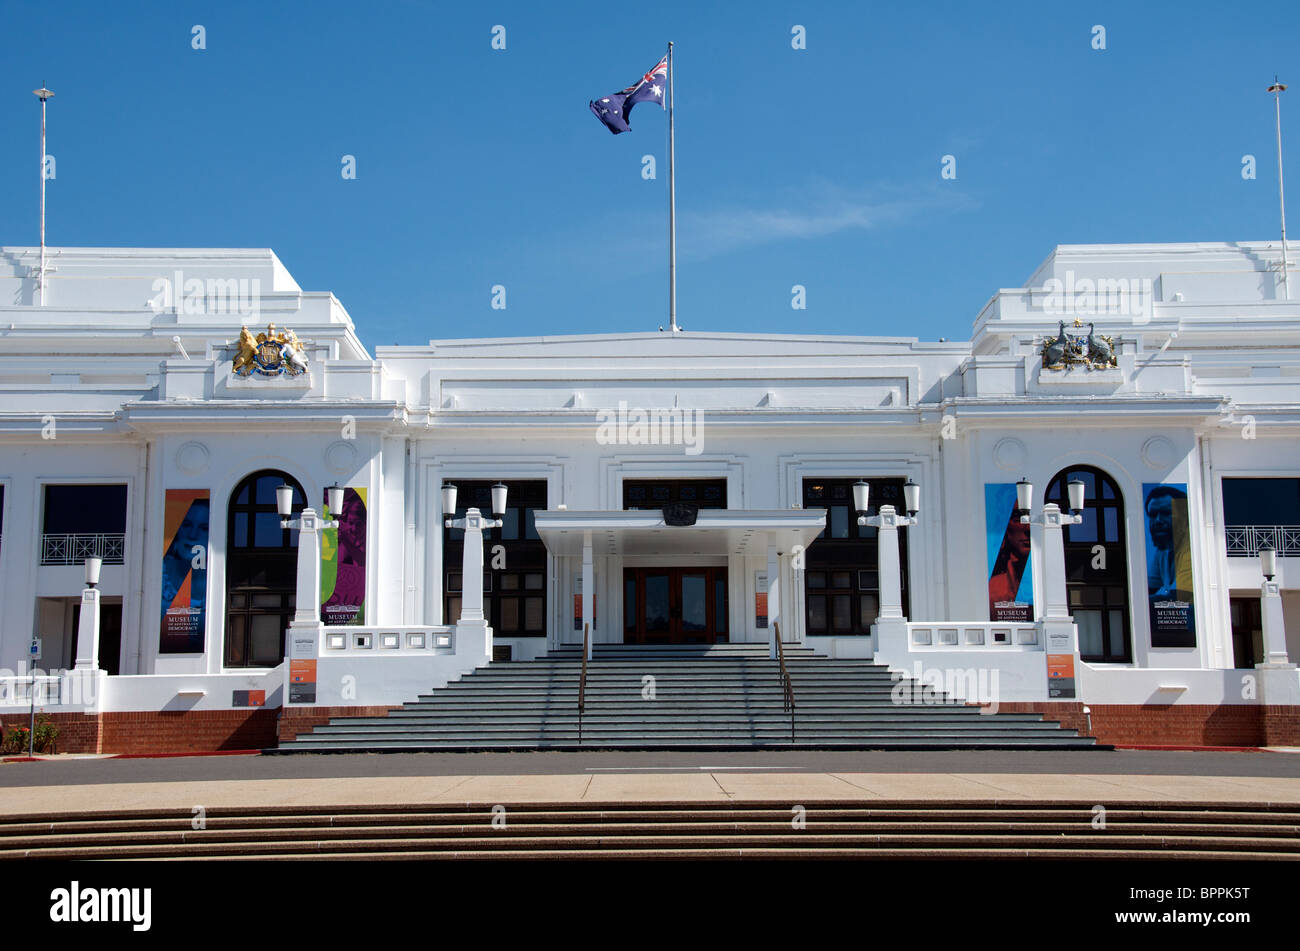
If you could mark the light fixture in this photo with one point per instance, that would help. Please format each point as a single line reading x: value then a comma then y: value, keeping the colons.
x: 1024, y: 495
x: 335, y: 495
x: 912, y: 497
x: 1076, y: 490
x: 861, y: 495
x: 1267, y: 561
x: 284, y: 499
x: 499, y: 500
x: 93, y: 564
x: 448, y: 499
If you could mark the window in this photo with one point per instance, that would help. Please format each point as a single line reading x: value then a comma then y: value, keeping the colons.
x: 1096, y: 565
x: 261, y: 571
x: 842, y: 579
x: 656, y: 493
x: 1259, y: 512
x: 79, y: 521
x: 514, y: 589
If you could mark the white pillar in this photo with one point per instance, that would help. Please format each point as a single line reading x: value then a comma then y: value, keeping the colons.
x: 773, y: 594
x: 472, y: 631
x: 891, y: 575
x: 1270, y: 597
x: 1056, y: 605
x: 588, y: 594
x: 471, y: 579
x: 307, y: 599
x: 88, y: 631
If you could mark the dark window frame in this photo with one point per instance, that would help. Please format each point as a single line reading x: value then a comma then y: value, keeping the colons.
x: 1086, y: 589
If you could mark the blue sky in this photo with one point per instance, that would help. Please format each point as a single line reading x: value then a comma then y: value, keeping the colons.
x: 477, y: 167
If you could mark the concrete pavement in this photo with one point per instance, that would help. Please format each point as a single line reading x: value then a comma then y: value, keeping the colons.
x: 623, y: 787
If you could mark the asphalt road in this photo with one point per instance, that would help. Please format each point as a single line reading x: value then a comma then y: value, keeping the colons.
x: 71, y: 771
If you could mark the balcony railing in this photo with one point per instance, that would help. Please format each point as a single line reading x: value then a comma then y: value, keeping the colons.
x: 75, y: 549
x: 1245, y: 541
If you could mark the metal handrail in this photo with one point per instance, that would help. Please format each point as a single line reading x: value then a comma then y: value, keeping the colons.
x: 582, y: 680
x: 787, y: 685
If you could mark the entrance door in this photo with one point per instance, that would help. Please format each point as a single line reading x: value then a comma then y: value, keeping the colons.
x: 674, y: 605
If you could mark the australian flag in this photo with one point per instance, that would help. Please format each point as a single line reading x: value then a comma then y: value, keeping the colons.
x: 615, y: 108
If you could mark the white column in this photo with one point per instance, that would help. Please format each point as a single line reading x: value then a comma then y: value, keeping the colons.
x: 88, y: 631
x: 588, y: 593
x: 472, y: 629
x: 307, y: 600
x: 891, y: 576
x: 1056, y: 605
x: 471, y: 581
x: 773, y: 594
x: 1270, y: 597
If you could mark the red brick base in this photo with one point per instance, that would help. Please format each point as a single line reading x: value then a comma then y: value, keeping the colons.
x: 1175, y: 724
x: 196, y: 731
x: 295, y: 720
x: 189, y: 731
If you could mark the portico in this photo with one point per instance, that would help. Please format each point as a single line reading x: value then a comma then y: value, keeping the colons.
x: 684, y: 570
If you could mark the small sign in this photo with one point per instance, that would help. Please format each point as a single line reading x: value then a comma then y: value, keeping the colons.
x: 248, y: 698
x: 34, y: 651
x: 1060, y: 676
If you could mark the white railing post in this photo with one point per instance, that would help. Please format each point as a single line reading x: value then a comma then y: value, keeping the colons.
x: 1270, y: 597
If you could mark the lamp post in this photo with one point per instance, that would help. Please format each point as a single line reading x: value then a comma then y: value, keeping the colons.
x: 1053, y: 520
x: 887, y: 523
x: 309, y: 525
x: 471, y: 594
x: 1270, y: 613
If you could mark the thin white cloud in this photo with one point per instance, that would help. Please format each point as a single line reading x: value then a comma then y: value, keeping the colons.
x: 817, y: 213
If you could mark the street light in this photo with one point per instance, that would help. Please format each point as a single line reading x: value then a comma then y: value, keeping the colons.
x: 911, y: 497
x: 861, y: 496
x: 284, y: 502
x: 499, y: 500
x: 1024, y: 496
x: 93, y: 564
x: 1075, y: 490
x: 448, y: 500
x: 335, y: 495
x: 1267, y: 561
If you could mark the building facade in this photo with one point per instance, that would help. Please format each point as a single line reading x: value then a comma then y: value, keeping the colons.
x: 142, y: 425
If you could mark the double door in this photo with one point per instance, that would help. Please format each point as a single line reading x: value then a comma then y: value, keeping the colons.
x: 674, y: 605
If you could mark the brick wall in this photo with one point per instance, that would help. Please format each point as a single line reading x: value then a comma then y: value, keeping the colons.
x: 190, y: 731
x: 295, y: 720
x: 1175, y: 724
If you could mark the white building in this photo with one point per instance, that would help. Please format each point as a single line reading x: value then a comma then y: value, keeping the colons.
x: 123, y: 427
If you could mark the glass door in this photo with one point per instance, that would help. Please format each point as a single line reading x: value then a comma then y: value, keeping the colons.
x: 674, y: 605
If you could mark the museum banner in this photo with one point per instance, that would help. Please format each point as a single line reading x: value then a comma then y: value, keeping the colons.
x: 1011, y: 583
x: 343, y: 561
x: 184, y: 571
x: 1169, y: 565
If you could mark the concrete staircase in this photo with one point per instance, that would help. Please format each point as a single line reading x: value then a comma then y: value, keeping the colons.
x: 682, y: 698
x: 683, y: 830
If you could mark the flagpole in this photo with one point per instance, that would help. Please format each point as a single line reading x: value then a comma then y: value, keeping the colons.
x: 1276, y: 89
x: 43, y: 95
x: 672, y: 205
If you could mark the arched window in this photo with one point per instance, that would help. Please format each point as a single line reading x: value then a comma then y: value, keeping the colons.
x: 261, y: 570
x: 1096, y: 565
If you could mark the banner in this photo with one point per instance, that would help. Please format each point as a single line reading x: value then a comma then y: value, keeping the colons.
x: 1169, y: 565
x: 184, y: 571
x: 1011, y: 582
x: 760, y: 599
x: 343, y: 562
x: 577, y: 605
